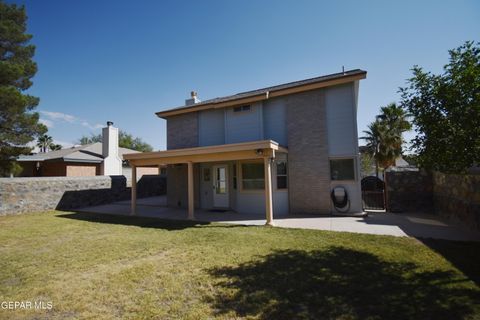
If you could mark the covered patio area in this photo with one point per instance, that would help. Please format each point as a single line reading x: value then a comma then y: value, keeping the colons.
x: 264, y: 151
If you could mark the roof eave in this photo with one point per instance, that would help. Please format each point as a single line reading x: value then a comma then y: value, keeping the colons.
x: 266, y: 95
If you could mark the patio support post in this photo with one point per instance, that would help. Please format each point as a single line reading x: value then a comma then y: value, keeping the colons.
x: 268, y: 191
x: 190, y: 191
x: 133, y: 210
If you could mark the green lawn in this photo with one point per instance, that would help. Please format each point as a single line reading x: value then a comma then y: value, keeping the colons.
x: 103, y: 267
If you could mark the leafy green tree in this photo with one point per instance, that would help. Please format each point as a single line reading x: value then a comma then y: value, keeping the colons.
x: 44, y: 142
x: 446, y: 112
x: 18, y: 123
x: 366, y: 163
x: 412, y: 159
x: 125, y: 140
x: 384, y: 136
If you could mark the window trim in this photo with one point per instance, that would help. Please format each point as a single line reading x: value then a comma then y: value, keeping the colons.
x: 235, y: 176
x: 240, y: 177
x: 355, y: 174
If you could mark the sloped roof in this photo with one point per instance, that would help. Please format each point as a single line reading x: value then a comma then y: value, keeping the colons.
x: 91, y: 153
x: 277, y: 90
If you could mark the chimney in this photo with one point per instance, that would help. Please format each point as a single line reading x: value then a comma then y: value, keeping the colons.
x: 193, y: 99
x: 112, y: 164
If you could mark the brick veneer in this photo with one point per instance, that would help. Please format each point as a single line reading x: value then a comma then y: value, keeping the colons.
x: 182, y: 131
x: 309, y: 171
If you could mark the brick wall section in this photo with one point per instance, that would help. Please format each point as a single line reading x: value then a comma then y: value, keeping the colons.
x: 54, y: 169
x: 457, y: 197
x: 309, y: 171
x: 182, y: 131
x: 21, y: 195
x: 409, y: 191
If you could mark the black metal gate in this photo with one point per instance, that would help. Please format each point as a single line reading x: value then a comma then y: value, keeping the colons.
x: 373, y: 193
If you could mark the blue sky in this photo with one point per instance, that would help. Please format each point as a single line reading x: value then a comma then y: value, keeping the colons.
x: 124, y: 60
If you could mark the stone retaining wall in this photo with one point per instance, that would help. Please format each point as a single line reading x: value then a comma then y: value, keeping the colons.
x: 409, y: 191
x: 457, y: 197
x: 19, y: 195
x: 452, y: 196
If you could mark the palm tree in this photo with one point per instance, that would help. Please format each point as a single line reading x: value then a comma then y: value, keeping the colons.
x: 44, y: 142
x: 373, y: 137
x: 395, y: 118
x: 384, y: 136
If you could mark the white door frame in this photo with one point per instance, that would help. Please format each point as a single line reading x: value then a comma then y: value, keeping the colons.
x: 220, y: 190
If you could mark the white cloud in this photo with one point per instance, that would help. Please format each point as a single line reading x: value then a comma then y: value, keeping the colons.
x: 92, y: 127
x: 59, y: 116
x: 54, y: 116
x: 47, y: 123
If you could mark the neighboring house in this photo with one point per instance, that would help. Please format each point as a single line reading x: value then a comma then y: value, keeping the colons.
x: 400, y: 165
x: 101, y: 158
x: 275, y: 150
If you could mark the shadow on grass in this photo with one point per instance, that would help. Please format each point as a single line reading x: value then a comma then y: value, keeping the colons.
x: 341, y: 283
x: 144, y: 222
x: 465, y: 256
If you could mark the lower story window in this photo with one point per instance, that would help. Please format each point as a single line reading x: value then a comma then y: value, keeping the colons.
x: 253, y: 176
x: 342, y: 169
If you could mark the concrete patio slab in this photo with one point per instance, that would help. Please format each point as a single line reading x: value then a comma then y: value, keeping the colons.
x: 416, y: 225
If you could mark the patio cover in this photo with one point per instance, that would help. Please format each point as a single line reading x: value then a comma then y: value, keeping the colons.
x: 263, y: 149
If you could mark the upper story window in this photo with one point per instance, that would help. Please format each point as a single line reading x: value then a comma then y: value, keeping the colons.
x: 242, y: 108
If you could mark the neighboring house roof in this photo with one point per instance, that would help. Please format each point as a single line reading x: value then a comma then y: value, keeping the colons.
x: 269, y: 92
x: 91, y: 153
x: 400, y: 162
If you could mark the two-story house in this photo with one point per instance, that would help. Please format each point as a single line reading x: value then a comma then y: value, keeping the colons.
x: 271, y: 151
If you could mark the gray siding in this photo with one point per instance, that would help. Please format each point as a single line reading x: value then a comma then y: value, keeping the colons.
x: 244, y: 126
x: 309, y: 171
x: 211, y: 127
x: 206, y: 187
x: 177, y: 185
x: 275, y: 120
x: 182, y: 131
x: 341, y: 105
x: 340, y: 102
